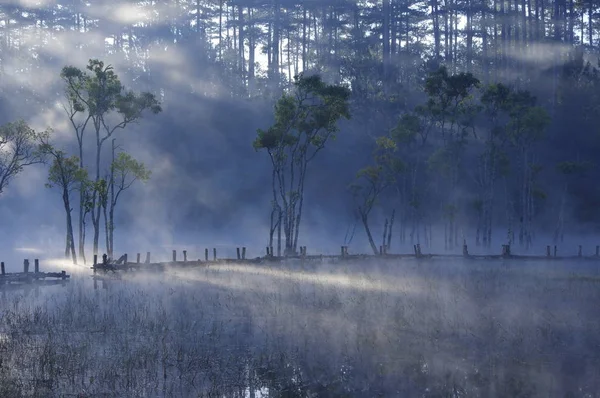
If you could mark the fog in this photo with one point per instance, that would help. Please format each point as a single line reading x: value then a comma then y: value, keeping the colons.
x: 388, y: 327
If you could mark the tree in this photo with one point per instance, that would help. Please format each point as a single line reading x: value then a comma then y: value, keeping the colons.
x: 124, y: 171
x: 99, y: 98
x: 525, y: 128
x: 492, y: 161
x: 568, y: 169
x: 370, y: 183
x: 450, y: 111
x: 305, y: 120
x: 19, y: 147
x: 402, y: 157
x: 66, y: 175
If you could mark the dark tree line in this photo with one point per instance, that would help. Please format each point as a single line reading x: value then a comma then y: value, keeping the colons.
x: 519, y: 122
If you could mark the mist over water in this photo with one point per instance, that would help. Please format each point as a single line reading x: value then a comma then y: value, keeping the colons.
x: 393, y: 328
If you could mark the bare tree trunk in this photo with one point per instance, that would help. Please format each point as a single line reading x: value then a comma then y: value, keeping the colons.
x: 389, y: 237
x: 365, y: 221
x: 279, y: 234
x: 111, y: 221
x: 70, y: 247
x: 106, y: 233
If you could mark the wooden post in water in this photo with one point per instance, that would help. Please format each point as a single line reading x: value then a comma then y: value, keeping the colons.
x: 465, y: 250
x: 555, y: 250
x: 579, y: 251
x: 548, y: 251
x: 138, y: 258
x: 104, y: 258
x: 2, y: 268
x: 268, y: 252
x: 147, y: 257
x: 419, y: 249
x: 63, y: 275
x: 174, y: 255
x: 26, y: 266
x: 238, y: 253
x: 206, y: 254
x: 342, y: 250
x: 36, y: 266
x: 214, y: 254
x: 125, y: 259
x: 185, y: 256
x: 415, y: 250
x: 243, y: 253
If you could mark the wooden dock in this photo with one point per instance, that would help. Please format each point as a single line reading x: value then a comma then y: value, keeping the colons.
x: 122, y: 264
x: 27, y: 277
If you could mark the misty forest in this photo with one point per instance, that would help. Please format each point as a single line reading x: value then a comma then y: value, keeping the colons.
x: 449, y: 147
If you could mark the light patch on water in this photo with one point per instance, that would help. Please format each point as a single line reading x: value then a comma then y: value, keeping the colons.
x: 31, y: 250
x: 360, y: 282
x: 64, y: 264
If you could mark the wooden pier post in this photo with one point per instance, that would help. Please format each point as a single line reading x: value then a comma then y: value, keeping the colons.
x: 206, y: 254
x: 214, y: 254
x: 342, y: 250
x: 36, y: 266
x: 237, y: 249
x: 104, y: 259
x: 268, y: 252
x: 579, y: 251
x: 243, y: 253
x: 63, y: 275
x: 416, y: 251
x: 147, y: 257
x: 555, y: 250
x: 26, y: 266
x: 465, y: 250
x: 2, y: 268
x: 174, y: 255
x: 125, y: 259
x: 185, y: 256
x: 138, y: 258
x: 419, y: 249
x: 548, y: 251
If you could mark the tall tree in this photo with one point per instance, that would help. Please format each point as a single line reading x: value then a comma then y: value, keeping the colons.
x: 124, y: 172
x: 305, y: 120
x: 94, y: 97
x: 66, y: 175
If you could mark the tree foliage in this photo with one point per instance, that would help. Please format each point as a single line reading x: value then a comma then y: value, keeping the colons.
x: 19, y: 147
x: 305, y: 120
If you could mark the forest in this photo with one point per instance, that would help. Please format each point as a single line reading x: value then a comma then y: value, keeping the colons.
x: 163, y: 126
x: 439, y: 121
